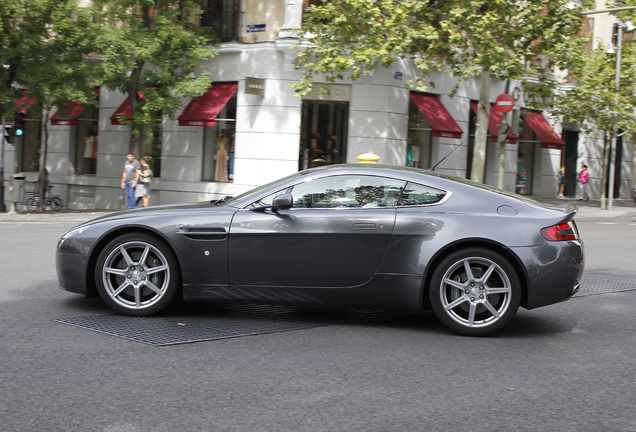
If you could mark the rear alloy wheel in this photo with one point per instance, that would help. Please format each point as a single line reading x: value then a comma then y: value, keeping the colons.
x: 137, y: 275
x: 56, y: 204
x: 475, y: 292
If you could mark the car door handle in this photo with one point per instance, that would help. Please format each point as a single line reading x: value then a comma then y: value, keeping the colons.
x: 364, y: 226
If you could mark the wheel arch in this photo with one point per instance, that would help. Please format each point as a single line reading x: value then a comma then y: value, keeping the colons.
x: 91, y: 287
x: 493, y: 246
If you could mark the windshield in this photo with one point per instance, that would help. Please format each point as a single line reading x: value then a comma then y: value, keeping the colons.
x: 257, y: 191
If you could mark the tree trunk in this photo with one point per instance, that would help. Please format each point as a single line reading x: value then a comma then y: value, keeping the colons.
x: 43, y: 156
x: 481, y: 132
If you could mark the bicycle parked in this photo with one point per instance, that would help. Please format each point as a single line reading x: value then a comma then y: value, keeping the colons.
x: 33, y: 201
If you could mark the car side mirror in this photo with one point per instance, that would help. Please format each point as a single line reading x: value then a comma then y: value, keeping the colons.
x: 282, y: 202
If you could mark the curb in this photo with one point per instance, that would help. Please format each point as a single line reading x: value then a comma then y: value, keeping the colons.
x: 587, y: 210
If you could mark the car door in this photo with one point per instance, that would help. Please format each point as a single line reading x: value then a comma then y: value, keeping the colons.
x: 335, y: 235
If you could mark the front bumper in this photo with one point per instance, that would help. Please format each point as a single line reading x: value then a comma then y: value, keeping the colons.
x: 71, y: 272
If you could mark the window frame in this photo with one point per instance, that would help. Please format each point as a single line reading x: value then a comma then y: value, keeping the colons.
x: 266, y: 201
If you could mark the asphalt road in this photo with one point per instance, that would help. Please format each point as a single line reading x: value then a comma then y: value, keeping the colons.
x: 566, y: 367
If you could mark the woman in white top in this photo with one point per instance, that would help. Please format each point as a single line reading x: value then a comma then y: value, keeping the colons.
x: 142, y: 191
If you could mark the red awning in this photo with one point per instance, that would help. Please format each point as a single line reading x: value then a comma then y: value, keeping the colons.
x: 203, y: 110
x: 124, y: 110
x: 493, y: 124
x: 68, y: 114
x: 545, y: 132
x: 439, y: 118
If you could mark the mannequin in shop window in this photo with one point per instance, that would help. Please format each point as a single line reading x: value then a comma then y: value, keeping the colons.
x: 220, y: 171
x: 90, y: 150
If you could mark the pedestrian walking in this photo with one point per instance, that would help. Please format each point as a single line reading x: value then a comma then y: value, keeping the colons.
x: 142, y: 191
x: 584, y: 179
x: 129, y: 178
x: 561, y: 182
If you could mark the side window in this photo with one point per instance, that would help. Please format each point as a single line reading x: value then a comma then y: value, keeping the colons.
x: 417, y: 194
x: 348, y: 191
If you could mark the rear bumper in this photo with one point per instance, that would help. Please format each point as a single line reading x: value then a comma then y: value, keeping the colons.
x: 554, y: 271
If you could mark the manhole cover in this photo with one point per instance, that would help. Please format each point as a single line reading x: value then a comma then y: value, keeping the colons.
x: 218, y: 323
x: 223, y: 322
x: 601, y: 282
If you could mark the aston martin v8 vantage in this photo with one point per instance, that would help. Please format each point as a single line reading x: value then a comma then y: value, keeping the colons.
x: 355, y: 236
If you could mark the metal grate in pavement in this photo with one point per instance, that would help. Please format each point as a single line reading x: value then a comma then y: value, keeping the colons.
x: 218, y: 323
x: 214, y: 322
x: 602, y: 282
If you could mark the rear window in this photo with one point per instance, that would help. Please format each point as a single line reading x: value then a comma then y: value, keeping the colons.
x: 417, y: 194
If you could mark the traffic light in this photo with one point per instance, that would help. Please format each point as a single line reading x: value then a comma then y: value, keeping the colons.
x: 8, y: 133
x: 18, y: 124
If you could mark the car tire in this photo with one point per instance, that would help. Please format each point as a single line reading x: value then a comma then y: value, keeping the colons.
x: 475, y: 291
x: 137, y: 275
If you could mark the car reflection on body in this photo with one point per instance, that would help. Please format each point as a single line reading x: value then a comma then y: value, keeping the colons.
x: 355, y: 236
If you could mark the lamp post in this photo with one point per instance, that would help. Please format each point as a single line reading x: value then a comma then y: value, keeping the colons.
x: 612, y: 167
x: 3, y: 208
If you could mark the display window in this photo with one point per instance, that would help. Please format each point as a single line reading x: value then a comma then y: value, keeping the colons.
x: 84, y: 152
x: 418, y: 150
x: 323, y: 136
x: 218, y: 145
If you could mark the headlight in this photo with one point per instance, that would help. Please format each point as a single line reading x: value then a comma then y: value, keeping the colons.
x: 64, y: 242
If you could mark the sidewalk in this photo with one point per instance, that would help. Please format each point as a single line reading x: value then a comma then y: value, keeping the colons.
x: 592, y: 209
x: 64, y: 216
x: 587, y: 210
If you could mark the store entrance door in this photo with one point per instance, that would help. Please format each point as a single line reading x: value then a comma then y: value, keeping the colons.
x: 569, y: 163
x: 323, y: 133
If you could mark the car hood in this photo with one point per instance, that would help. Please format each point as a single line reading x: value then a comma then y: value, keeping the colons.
x: 146, y: 212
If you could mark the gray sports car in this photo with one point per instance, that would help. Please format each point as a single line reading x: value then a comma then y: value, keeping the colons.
x: 356, y: 236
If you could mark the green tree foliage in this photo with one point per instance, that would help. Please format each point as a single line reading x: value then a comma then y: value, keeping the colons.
x: 502, y: 39
x: 509, y: 39
x: 593, y: 97
x: 45, y: 43
x: 150, y: 50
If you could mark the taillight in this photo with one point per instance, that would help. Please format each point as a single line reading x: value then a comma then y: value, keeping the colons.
x: 561, y: 232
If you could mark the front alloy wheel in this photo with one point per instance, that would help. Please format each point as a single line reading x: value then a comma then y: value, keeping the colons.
x: 475, y: 292
x: 137, y: 275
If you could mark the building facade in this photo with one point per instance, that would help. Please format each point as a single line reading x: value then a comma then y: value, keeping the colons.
x: 250, y: 128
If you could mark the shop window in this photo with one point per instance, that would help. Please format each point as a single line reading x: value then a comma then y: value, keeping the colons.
x: 525, y: 159
x: 222, y: 16
x: 218, y: 145
x: 84, y: 155
x: 30, y: 143
x: 153, y: 145
x: 418, y: 151
x: 323, y: 136
x: 470, y: 149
